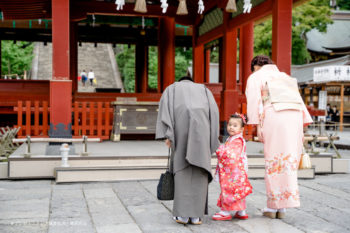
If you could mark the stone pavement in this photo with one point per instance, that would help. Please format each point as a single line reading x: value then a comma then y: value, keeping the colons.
x: 43, y: 206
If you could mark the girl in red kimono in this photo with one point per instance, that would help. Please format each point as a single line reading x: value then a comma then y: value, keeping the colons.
x: 232, y: 172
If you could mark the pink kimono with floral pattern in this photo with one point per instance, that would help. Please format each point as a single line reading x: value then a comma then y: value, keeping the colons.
x: 232, y: 169
x: 282, y: 134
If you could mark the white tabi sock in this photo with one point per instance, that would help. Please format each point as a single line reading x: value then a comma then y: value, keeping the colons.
x: 241, y: 213
x: 283, y: 210
x: 269, y: 210
x: 224, y: 212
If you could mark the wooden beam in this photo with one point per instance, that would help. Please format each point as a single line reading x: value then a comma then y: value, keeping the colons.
x: 109, y: 8
x: 211, y: 35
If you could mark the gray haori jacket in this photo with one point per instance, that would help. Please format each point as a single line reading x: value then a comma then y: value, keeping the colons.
x: 188, y: 116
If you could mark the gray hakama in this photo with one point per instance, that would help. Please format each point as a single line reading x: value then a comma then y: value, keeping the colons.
x: 188, y: 116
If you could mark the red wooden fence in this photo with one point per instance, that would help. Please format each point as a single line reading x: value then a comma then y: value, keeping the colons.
x: 94, y: 119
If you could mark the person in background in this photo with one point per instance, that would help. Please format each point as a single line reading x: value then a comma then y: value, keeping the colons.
x: 91, y: 77
x: 83, y: 77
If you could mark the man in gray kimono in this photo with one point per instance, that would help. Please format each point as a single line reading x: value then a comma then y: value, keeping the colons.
x: 188, y: 119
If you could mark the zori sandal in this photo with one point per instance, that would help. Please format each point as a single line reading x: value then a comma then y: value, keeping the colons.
x: 242, y: 217
x: 181, y: 220
x: 221, y: 217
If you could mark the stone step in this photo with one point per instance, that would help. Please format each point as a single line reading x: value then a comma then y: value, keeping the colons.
x: 113, y: 173
x: 43, y: 166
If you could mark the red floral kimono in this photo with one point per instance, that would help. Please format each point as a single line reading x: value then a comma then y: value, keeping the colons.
x: 232, y: 169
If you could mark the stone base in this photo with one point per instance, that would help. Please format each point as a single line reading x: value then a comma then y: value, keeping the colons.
x: 55, y: 150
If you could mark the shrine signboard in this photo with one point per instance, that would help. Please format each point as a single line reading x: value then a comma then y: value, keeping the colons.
x: 331, y: 73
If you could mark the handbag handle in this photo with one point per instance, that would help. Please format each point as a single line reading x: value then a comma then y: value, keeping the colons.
x: 169, y: 161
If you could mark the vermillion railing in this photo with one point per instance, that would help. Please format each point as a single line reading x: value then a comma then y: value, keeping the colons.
x: 32, y: 118
x: 93, y: 119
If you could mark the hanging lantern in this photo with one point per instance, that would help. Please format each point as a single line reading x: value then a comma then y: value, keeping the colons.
x: 247, y: 6
x: 231, y: 6
x: 200, y: 7
x: 140, y: 6
x: 164, y: 6
x: 120, y: 4
x: 182, y: 9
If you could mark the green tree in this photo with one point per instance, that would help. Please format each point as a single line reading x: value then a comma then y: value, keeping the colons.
x: 313, y: 14
x: 126, y: 63
x: 343, y: 4
x: 16, y: 58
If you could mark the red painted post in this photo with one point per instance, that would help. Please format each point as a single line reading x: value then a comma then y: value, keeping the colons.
x: 76, y: 119
x: 60, y: 85
x: 282, y: 34
x: 141, y: 68
x: 99, y: 119
x: 28, y: 118
x: 36, y: 118
x: 20, y: 117
x: 229, y: 95
x: 106, y: 117
x: 166, y: 52
x: 198, y: 63
x: 207, y: 66
x: 74, y: 56
x: 45, y: 117
x: 84, y: 119
x: 92, y: 118
x: 247, y: 44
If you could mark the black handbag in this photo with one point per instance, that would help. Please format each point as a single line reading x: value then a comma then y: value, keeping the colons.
x: 165, y: 188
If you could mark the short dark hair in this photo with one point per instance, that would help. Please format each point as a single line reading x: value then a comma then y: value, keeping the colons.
x: 186, y: 78
x: 237, y: 116
x: 260, y: 60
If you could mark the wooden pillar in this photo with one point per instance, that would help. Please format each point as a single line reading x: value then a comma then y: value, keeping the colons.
x: 246, y: 43
x: 60, y: 85
x: 311, y: 103
x: 166, y: 52
x: 282, y: 34
x: 207, y: 66
x: 74, y: 56
x: 0, y: 60
x: 141, y: 73
x: 198, y: 63
x: 341, y: 107
x: 229, y: 95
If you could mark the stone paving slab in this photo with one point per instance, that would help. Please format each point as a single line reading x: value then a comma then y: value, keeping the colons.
x: 43, y: 206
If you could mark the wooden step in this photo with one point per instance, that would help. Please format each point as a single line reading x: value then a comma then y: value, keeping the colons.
x: 112, y: 173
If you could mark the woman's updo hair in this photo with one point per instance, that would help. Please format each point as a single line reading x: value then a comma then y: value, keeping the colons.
x: 239, y: 116
x: 260, y: 60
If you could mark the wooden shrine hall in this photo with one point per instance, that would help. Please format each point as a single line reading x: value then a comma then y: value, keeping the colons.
x: 48, y: 106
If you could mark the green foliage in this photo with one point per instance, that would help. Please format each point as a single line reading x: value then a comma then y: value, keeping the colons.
x: 153, y: 67
x: 313, y: 14
x: 343, y: 4
x: 182, y: 62
x: 16, y: 58
x: 126, y: 64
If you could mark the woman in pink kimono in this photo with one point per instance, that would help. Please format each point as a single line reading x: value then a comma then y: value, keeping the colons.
x: 281, y: 131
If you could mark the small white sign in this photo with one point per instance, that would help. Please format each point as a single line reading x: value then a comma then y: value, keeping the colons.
x: 331, y: 73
